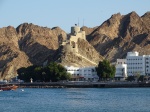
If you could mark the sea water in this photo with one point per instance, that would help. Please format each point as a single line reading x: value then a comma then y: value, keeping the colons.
x: 76, y: 100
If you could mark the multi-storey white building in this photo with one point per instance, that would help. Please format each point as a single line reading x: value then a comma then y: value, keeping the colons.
x: 121, y: 69
x: 82, y: 73
x: 135, y: 63
x: 147, y: 64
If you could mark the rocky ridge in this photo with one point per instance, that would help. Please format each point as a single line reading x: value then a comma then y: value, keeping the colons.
x: 121, y: 34
x: 26, y: 45
x: 31, y: 44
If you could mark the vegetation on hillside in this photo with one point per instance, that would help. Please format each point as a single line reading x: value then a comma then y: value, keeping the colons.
x: 53, y: 72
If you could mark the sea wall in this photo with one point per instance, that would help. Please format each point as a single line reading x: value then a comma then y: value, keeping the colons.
x: 80, y: 85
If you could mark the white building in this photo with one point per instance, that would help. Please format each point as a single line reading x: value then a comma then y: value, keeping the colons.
x: 82, y: 73
x: 147, y: 64
x: 135, y: 64
x: 121, y: 69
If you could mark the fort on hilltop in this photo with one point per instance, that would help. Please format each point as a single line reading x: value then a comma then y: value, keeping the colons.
x: 71, y: 41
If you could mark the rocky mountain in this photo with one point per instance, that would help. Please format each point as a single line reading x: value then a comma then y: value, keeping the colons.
x: 26, y: 45
x: 37, y: 42
x: 29, y: 44
x: 121, y: 34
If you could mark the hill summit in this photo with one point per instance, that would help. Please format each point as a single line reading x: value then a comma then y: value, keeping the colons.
x: 121, y: 34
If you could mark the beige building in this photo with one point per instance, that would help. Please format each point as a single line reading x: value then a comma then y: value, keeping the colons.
x: 73, y: 37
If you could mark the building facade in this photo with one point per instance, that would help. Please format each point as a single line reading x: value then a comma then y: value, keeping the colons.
x: 147, y: 64
x: 133, y: 65
x: 121, y: 69
x: 82, y: 73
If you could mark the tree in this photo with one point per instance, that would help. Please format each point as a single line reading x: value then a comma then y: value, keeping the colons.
x: 130, y: 78
x: 53, y: 72
x: 26, y: 73
x: 105, y: 69
x: 58, y: 72
x: 141, y: 78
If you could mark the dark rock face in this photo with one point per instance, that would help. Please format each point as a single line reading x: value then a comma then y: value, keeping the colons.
x: 121, y: 34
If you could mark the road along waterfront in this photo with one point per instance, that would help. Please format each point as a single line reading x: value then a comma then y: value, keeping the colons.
x: 79, y: 84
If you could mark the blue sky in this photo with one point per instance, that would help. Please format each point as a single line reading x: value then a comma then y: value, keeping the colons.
x: 66, y: 13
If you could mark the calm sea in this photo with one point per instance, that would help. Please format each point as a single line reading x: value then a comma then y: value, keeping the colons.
x: 76, y: 100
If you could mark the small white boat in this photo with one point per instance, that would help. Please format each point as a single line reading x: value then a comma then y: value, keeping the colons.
x: 22, y: 89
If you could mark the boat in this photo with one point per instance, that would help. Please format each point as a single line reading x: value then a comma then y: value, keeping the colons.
x: 14, y: 87
x: 8, y: 88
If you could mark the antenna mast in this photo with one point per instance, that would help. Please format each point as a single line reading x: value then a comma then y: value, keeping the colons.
x: 83, y: 22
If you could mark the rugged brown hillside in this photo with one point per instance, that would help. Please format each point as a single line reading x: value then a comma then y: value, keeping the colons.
x: 11, y: 57
x: 39, y: 43
x: 29, y: 44
x: 88, y: 30
x: 26, y: 45
x: 121, y: 34
x: 87, y: 55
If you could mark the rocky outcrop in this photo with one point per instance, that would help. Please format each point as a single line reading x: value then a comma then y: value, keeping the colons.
x: 39, y: 43
x: 88, y: 30
x: 27, y: 45
x: 11, y: 58
x: 86, y: 56
x: 121, y: 34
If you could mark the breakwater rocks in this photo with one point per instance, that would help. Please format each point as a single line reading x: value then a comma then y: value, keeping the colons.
x: 80, y: 84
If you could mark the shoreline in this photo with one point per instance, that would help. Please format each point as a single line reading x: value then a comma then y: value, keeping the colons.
x: 80, y: 85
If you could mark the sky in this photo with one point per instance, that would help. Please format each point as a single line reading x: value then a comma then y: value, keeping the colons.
x: 66, y: 13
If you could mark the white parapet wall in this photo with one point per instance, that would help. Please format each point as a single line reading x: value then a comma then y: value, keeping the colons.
x: 135, y: 53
